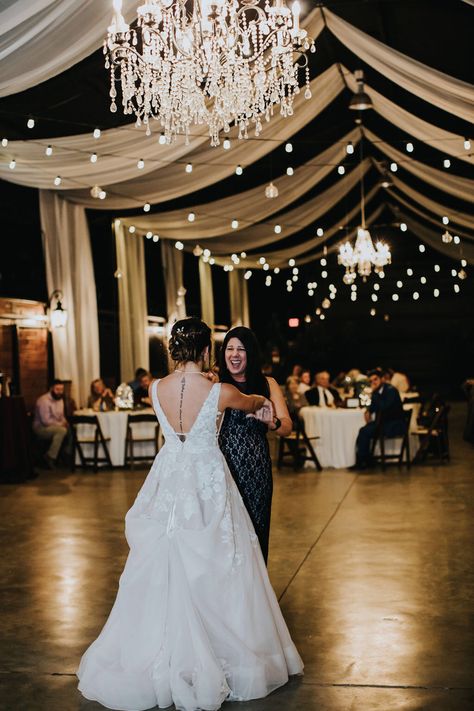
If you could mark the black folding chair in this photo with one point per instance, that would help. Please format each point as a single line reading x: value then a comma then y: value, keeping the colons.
x: 297, y: 446
x: 95, y: 440
x: 434, y: 438
x: 403, y: 455
x: 131, y: 440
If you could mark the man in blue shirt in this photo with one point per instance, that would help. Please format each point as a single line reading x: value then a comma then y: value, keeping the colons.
x: 385, y: 408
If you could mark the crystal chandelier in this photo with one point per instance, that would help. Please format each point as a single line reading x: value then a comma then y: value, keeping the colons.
x: 364, y: 255
x: 214, y: 62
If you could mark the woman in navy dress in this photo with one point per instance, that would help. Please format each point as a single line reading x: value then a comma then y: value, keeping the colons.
x: 242, y: 439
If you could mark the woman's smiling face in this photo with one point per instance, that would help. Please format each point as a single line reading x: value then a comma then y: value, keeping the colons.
x: 236, y: 357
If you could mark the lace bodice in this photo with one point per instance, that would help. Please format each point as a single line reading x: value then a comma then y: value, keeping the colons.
x: 203, y: 433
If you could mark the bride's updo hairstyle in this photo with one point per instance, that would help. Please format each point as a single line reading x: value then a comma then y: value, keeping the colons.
x: 189, y: 337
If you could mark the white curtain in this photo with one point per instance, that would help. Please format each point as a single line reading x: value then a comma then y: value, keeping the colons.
x: 42, y: 38
x: 444, y: 180
x: 441, y: 90
x: 248, y: 207
x: 448, y: 143
x: 239, y: 304
x: 174, y: 286
x: 69, y: 268
x: 163, y: 176
x: 207, y: 294
x: 432, y: 238
x: 133, y: 312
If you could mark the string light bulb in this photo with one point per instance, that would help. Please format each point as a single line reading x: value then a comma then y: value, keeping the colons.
x: 226, y: 144
x: 234, y: 224
x: 467, y: 144
x: 96, y: 133
x: 247, y: 274
x: 403, y: 226
x: 341, y: 170
x: 409, y: 147
x: 12, y: 164
x: 409, y: 271
x: 277, y: 229
x: 93, y: 158
x: 421, y: 248
x: 49, y: 151
x: 445, y: 220
x: 416, y: 296
x: 156, y: 238
x: 57, y: 180
x: 30, y: 123
x: 456, y: 239
x: 146, y: 207
x: 350, y: 148
x: 437, y: 267
x: 191, y: 217
x: 436, y: 293
x: 289, y: 147
x: 179, y: 245
x: 4, y: 142
x: 446, y: 163
x: 276, y: 270
x: 189, y: 168
x: 262, y: 260
x: 393, y: 167
x: 289, y: 171
x: 319, y: 232
x: 162, y: 139
x: 140, y: 164
x: 239, y: 170
x: 291, y: 262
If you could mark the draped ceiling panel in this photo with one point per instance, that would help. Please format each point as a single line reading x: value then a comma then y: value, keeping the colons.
x: 441, y: 90
x: 42, y: 38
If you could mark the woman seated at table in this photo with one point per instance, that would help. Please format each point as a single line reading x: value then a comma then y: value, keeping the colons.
x: 101, y: 397
x: 294, y: 398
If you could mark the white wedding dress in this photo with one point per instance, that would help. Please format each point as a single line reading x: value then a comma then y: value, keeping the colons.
x: 195, y: 620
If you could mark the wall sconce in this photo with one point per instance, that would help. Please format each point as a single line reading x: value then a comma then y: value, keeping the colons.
x: 58, y: 315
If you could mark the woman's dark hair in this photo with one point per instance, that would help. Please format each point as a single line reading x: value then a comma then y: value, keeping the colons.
x: 256, y: 382
x: 189, y: 337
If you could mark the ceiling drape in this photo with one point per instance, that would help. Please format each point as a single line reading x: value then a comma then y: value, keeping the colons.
x: 443, y: 91
x: 42, y: 38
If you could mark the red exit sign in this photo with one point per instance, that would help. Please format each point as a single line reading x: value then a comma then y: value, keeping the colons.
x: 293, y: 322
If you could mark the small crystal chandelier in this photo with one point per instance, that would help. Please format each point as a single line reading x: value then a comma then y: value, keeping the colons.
x: 364, y: 255
x: 214, y: 62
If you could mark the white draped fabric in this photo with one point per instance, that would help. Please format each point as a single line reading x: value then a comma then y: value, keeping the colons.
x: 207, y: 294
x: 173, y: 276
x: 239, y: 303
x: 429, y: 217
x: 441, y: 90
x: 432, y: 238
x: 444, y: 180
x: 42, y: 38
x: 133, y: 312
x: 118, y: 151
x: 251, y: 206
x: 69, y: 268
x: 448, y: 143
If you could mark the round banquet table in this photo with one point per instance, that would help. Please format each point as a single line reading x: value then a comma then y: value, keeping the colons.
x: 114, y: 425
x: 337, y: 430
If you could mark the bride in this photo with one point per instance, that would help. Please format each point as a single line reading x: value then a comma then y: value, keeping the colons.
x: 195, y: 621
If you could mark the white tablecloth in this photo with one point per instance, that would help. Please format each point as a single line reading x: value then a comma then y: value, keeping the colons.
x: 338, y: 430
x: 114, y: 425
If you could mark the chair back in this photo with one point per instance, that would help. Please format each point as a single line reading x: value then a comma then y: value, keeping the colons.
x: 84, y: 420
x: 146, y: 417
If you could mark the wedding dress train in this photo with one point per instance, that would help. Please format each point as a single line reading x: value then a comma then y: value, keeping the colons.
x: 195, y: 620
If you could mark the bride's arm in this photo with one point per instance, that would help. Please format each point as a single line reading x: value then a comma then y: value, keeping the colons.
x: 231, y: 397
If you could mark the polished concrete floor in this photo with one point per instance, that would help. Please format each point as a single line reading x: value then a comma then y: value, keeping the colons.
x: 374, y: 573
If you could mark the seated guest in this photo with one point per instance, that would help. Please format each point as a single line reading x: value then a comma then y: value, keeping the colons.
x: 305, y: 382
x: 140, y: 395
x: 135, y: 384
x: 49, y: 422
x: 387, y: 407
x: 296, y: 371
x: 294, y: 399
x: 101, y: 397
x: 401, y: 382
x: 322, y: 394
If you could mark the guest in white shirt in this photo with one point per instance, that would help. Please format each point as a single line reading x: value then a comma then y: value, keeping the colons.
x: 401, y: 382
x: 305, y: 382
x: 322, y: 394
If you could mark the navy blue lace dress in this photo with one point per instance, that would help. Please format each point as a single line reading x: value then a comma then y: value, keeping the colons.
x: 243, y: 441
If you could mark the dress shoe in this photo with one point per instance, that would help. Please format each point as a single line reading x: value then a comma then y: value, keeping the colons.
x: 49, y: 462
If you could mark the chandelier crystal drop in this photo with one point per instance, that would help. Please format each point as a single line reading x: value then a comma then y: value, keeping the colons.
x: 213, y: 62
